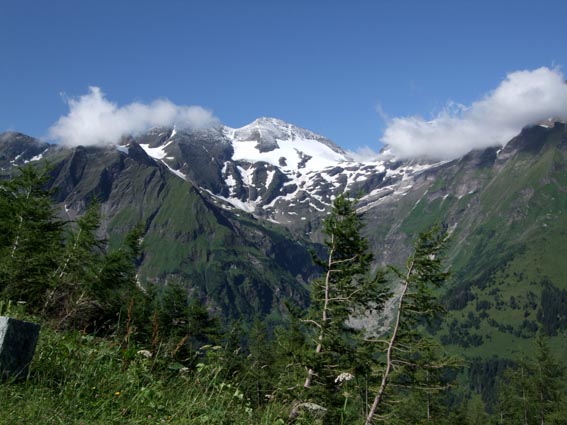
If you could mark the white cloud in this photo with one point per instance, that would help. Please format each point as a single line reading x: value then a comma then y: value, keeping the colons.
x: 364, y: 154
x: 92, y: 119
x: 523, y: 98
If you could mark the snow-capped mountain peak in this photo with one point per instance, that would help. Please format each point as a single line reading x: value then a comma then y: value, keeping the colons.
x: 283, y: 145
x: 274, y: 128
x: 273, y: 169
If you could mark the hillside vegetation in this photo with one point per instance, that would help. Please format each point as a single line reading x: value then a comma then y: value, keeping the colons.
x: 114, y: 349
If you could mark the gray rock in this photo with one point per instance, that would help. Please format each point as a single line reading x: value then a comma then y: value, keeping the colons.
x: 17, y: 346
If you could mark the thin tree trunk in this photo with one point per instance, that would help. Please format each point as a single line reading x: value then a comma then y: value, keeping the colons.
x: 63, y: 269
x: 525, y: 408
x: 541, y: 410
x: 524, y: 399
x: 393, y: 339
x: 17, y: 239
x: 20, y: 224
x: 319, y: 348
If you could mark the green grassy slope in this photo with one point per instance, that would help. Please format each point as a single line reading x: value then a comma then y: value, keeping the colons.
x: 229, y: 260
x: 507, y: 215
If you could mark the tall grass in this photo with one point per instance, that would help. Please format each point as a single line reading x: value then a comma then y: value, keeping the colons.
x: 80, y: 379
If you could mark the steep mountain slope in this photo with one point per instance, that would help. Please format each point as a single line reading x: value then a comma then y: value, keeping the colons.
x: 506, y: 210
x: 217, y: 203
x: 272, y: 169
x: 232, y: 262
x: 231, y: 212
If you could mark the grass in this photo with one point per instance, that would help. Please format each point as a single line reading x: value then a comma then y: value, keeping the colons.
x: 79, y: 379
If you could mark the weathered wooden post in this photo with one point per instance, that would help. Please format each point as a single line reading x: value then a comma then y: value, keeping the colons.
x: 17, y: 346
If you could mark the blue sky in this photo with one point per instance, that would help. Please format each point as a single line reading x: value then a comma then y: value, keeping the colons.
x: 324, y: 65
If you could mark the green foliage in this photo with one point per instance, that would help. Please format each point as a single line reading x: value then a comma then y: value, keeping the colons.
x: 414, y: 369
x: 508, y: 221
x: 163, y: 357
x: 344, y: 289
x: 533, y: 392
x: 261, y: 362
x: 476, y: 411
x: 552, y: 313
x: 70, y: 296
x: 482, y: 376
x: 77, y: 378
x: 117, y: 282
x: 184, y: 323
x: 240, y: 266
x: 31, y: 237
x: 61, y: 270
x: 289, y: 346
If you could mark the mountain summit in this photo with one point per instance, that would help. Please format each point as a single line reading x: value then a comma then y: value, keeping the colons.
x: 266, y: 132
x: 271, y: 168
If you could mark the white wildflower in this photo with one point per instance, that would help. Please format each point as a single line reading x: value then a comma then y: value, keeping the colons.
x: 345, y: 376
x: 313, y: 407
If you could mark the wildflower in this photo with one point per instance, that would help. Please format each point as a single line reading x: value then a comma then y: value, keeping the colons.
x: 145, y: 353
x: 117, y: 393
x: 315, y: 409
x: 345, y: 376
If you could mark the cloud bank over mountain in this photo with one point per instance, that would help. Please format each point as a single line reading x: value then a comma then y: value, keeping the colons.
x: 523, y: 98
x: 94, y: 120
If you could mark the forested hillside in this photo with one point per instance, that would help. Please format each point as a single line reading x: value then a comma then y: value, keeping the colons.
x: 115, y: 349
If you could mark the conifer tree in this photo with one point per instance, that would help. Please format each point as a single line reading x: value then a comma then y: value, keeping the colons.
x: 344, y: 289
x: 289, y: 346
x: 533, y: 391
x: 185, y: 323
x: 31, y: 237
x: 71, y: 295
x: 408, y: 353
x: 476, y: 411
x: 260, y: 361
x: 116, y: 283
x: 547, y: 381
